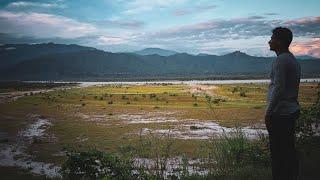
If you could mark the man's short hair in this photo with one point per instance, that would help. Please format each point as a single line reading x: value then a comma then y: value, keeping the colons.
x: 284, y: 35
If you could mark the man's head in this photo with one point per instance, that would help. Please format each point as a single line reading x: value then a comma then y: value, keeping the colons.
x: 280, y: 39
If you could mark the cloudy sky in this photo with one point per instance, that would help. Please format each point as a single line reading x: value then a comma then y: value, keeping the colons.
x: 193, y: 26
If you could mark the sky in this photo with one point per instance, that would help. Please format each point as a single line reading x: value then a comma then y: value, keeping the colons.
x: 192, y: 26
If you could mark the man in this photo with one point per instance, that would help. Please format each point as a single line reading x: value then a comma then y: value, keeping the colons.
x: 283, y: 107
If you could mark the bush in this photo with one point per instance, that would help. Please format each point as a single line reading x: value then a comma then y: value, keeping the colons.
x: 152, y: 96
x: 230, y: 152
x: 230, y: 157
x: 196, y: 128
x: 124, y: 97
x: 235, y: 89
x: 308, y: 121
x: 243, y: 93
x: 94, y: 164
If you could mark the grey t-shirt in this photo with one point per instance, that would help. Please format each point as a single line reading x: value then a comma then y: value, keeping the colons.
x: 284, y: 86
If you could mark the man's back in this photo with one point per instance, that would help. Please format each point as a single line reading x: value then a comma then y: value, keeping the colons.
x: 284, y: 85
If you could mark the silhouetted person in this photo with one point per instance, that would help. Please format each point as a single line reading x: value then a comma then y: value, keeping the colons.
x: 283, y: 107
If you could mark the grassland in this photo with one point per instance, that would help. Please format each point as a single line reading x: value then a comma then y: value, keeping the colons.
x: 90, y: 117
x: 13, y: 86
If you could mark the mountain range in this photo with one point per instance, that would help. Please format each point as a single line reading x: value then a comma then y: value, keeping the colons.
x: 153, y: 51
x: 73, y: 62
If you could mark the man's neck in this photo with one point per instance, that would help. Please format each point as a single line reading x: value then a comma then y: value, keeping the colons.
x: 280, y: 51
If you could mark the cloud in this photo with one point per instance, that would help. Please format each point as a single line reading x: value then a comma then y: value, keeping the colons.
x: 241, y: 28
x: 41, y: 25
x: 304, y: 26
x: 196, y: 9
x: 270, y: 14
x: 256, y: 17
x: 132, y: 24
x: 25, y: 4
x: 249, y: 34
x: 310, y: 47
x: 205, y: 7
x: 109, y: 40
x: 219, y: 29
x: 138, y: 6
x: 215, y: 35
x: 181, y: 12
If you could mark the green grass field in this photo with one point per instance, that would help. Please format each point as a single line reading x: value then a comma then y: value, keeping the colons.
x: 88, y: 117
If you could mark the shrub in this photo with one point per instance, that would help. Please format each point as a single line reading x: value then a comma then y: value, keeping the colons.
x: 235, y: 89
x: 230, y: 157
x: 196, y: 128
x: 308, y: 121
x: 243, y: 93
x: 124, y: 97
x: 258, y: 107
x: 94, y: 164
x: 233, y: 151
x: 152, y: 96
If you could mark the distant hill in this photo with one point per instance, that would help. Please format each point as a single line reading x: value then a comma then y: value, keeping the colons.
x: 11, y: 54
x: 82, y: 63
x: 203, y: 54
x: 158, y: 51
x: 305, y: 57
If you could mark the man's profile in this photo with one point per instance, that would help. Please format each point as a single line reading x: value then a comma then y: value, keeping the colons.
x: 283, y: 108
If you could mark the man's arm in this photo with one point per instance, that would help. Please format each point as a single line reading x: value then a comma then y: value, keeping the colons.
x: 279, y: 86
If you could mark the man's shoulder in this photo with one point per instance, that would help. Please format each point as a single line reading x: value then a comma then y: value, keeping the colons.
x: 286, y: 55
x: 285, y: 58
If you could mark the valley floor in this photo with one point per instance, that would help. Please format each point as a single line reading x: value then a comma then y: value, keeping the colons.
x: 37, y: 128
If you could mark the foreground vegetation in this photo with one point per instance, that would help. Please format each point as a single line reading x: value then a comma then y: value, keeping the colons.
x: 87, y: 122
x: 230, y: 156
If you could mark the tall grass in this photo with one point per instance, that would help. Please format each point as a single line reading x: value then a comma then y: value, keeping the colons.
x: 231, y: 156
